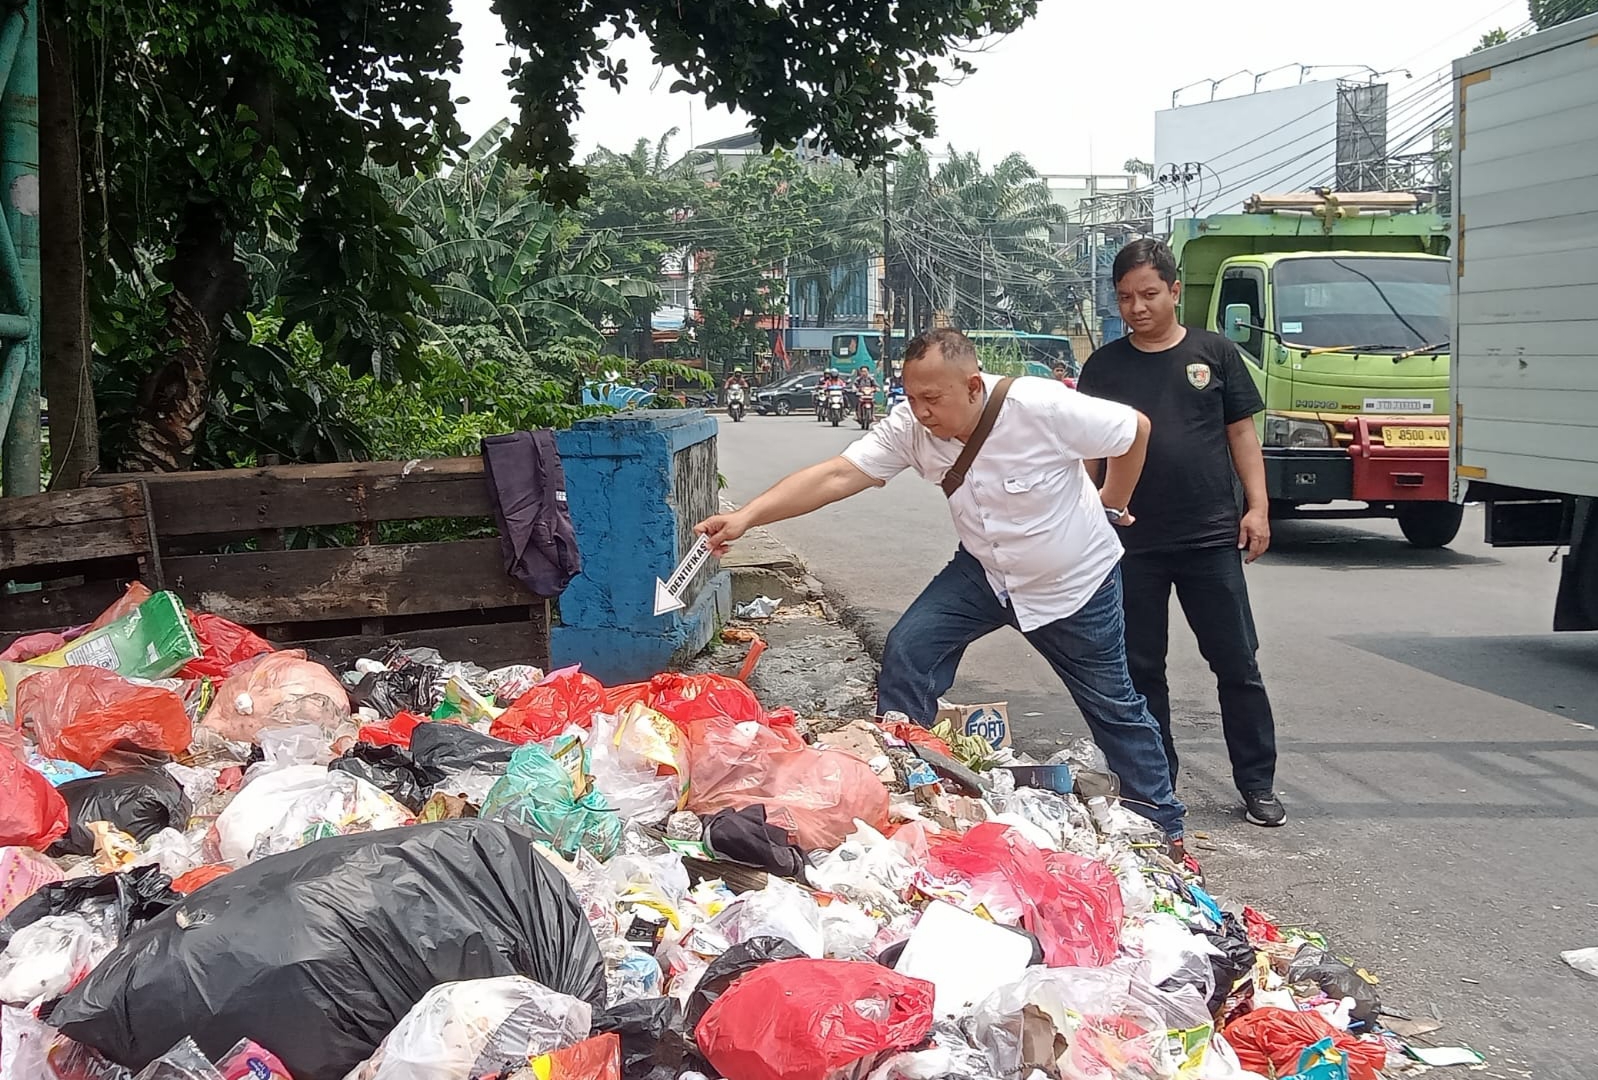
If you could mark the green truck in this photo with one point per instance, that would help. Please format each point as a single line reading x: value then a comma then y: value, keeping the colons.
x: 1340, y: 305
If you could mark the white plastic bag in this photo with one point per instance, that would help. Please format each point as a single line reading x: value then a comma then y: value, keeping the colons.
x: 23, y: 1040
x: 287, y: 809
x: 868, y: 868
x: 847, y: 932
x: 174, y: 852
x: 1583, y: 960
x: 457, y: 1024
x: 46, y: 958
x: 779, y: 910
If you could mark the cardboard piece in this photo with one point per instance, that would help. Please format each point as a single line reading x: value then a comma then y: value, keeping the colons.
x: 990, y: 721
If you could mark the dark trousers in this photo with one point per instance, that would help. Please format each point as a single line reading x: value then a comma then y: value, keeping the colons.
x: 958, y: 607
x: 1214, y: 597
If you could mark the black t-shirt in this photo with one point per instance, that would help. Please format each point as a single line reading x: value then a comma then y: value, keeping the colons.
x: 1190, y: 393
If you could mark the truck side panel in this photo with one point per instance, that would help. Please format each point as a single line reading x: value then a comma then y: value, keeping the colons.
x: 1525, y: 380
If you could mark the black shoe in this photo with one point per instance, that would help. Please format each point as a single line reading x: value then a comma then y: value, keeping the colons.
x: 1263, y: 808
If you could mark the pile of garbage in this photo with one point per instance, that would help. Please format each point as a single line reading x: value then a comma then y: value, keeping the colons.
x: 224, y: 860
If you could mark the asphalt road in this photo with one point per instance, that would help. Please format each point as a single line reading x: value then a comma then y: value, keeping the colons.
x: 1439, y: 756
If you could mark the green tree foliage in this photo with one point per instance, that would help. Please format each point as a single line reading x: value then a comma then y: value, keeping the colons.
x: 1546, y: 13
x: 975, y: 243
x: 834, y: 262
x: 858, y: 74
x: 1492, y: 37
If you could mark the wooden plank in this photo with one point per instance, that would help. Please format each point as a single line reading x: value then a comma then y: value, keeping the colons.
x: 237, y: 501
x: 492, y: 644
x: 58, y: 608
x: 90, y: 523
x: 346, y: 583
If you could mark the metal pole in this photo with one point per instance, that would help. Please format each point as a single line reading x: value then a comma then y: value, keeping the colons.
x: 19, y: 198
x: 887, y: 283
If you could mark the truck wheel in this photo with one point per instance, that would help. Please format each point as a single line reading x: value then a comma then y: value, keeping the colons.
x: 1430, y: 524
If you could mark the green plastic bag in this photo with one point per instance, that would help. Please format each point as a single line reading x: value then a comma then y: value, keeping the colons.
x: 152, y: 643
x: 538, y: 794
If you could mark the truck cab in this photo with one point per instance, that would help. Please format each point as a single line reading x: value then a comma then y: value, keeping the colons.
x: 1340, y: 306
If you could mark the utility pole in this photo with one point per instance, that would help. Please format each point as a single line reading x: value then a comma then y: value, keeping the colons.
x: 887, y: 282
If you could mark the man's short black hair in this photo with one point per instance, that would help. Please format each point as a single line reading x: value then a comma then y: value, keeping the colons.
x: 1145, y: 252
x: 952, y: 345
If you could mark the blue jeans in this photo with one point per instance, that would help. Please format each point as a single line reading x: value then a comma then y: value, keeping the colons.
x: 1087, y: 650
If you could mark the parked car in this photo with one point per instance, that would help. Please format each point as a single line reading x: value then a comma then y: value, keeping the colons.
x: 794, y: 392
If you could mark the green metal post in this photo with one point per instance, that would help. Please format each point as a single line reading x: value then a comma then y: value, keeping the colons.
x: 19, y: 198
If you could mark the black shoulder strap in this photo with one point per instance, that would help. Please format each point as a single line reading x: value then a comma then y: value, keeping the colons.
x: 962, y: 464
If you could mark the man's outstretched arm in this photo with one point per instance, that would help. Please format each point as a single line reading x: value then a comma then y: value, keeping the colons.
x: 793, y: 496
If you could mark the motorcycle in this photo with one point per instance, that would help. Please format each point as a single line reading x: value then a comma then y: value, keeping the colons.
x: 835, y: 406
x: 736, y: 406
x: 865, y: 410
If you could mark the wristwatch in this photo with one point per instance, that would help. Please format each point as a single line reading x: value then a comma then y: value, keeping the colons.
x: 1114, y: 514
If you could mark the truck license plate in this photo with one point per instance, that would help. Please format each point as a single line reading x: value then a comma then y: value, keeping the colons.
x: 1415, y: 436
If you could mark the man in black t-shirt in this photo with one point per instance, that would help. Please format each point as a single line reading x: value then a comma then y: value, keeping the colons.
x: 1187, y: 532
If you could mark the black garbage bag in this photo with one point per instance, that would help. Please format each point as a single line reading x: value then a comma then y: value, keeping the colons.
x: 743, y: 836
x: 451, y: 747
x: 140, y: 802
x: 392, y: 769
x: 652, y: 1036
x: 736, y: 962
x: 317, y: 953
x: 1315, y: 966
x: 406, y: 689
x: 138, y: 895
x: 1236, y: 959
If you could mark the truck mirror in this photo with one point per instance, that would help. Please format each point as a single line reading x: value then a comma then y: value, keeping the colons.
x: 1238, y: 320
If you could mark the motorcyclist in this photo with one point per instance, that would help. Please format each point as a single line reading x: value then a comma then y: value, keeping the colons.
x: 736, y: 379
x: 864, y: 381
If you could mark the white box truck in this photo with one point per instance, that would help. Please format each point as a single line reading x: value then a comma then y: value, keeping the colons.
x: 1524, y: 380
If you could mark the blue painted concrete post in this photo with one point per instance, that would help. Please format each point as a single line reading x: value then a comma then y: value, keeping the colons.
x: 637, y: 484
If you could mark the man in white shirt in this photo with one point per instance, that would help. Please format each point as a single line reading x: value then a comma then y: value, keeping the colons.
x: 1037, y: 547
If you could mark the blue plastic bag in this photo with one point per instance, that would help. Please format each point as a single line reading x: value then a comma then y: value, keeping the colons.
x: 1321, y: 1061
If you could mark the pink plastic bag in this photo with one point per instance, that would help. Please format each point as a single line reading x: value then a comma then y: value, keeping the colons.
x: 80, y: 713
x: 805, y: 1019
x: 814, y: 794
x: 1072, y: 905
x: 280, y: 689
x: 23, y: 872
x: 28, y: 646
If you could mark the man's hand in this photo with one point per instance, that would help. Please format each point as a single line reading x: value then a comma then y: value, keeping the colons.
x: 1124, y: 520
x: 1254, y: 534
x: 721, y: 530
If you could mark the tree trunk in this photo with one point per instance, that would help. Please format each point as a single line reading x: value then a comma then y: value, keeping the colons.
x: 64, y: 341
x: 644, y: 312
x: 208, y: 281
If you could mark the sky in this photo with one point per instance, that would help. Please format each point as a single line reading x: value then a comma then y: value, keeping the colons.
x: 1075, y: 89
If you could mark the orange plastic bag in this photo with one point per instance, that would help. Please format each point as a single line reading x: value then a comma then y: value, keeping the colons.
x: 79, y: 713
x: 1272, y: 1039
x: 1071, y: 904
x: 32, y: 813
x: 814, y: 794
x: 564, y: 698
x: 807, y: 1019
x: 226, y: 645
x: 598, y: 1058
x: 278, y: 689
x: 915, y: 734
x: 125, y: 605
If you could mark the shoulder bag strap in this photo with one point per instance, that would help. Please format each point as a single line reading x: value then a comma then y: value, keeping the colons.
x: 956, y: 475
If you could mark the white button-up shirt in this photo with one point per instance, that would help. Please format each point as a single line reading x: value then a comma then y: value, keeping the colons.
x: 1027, y: 510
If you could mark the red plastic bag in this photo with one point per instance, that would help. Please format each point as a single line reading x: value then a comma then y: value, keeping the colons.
x: 79, y: 713
x: 225, y: 644
x: 32, y: 813
x: 200, y: 875
x: 622, y: 696
x: 564, y: 698
x: 688, y: 699
x: 395, y: 731
x: 1272, y: 1039
x: 814, y: 794
x: 917, y: 735
x: 1071, y: 904
x: 803, y: 1019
